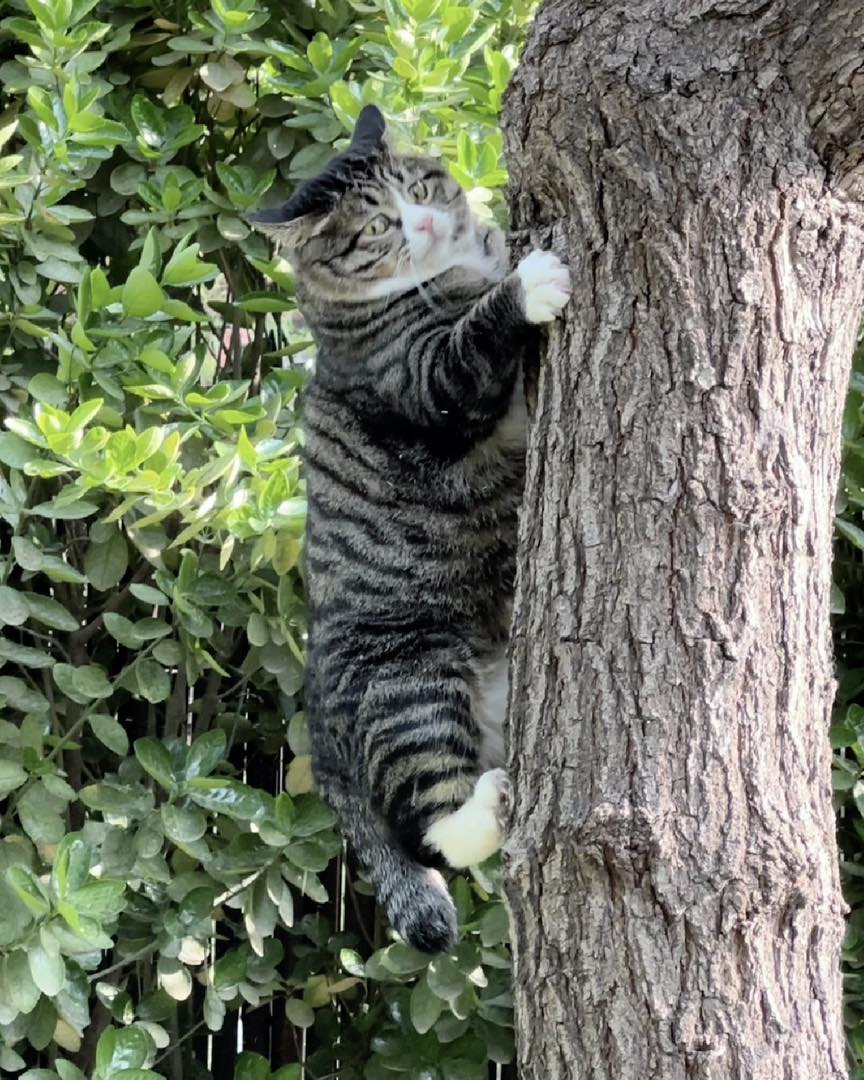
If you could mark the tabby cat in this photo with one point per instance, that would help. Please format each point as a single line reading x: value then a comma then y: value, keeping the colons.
x: 415, y: 438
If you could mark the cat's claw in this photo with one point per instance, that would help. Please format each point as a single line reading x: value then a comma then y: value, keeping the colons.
x: 545, y: 286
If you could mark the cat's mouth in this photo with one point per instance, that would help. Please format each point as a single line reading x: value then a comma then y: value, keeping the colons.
x: 422, y: 247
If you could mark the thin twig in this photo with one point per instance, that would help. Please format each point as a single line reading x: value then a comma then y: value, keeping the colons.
x: 148, y: 950
x: 171, y: 1049
x: 82, y: 636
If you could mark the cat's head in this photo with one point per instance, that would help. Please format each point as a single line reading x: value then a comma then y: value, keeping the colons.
x: 374, y: 222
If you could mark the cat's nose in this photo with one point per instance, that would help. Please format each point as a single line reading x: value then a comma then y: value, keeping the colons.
x: 425, y: 224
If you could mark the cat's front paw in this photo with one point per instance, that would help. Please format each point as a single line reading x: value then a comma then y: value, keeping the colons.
x: 545, y: 286
x: 493, y: 791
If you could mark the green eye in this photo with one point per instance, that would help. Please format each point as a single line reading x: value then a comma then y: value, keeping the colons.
x: 377, y: 226
x: 419, y: 191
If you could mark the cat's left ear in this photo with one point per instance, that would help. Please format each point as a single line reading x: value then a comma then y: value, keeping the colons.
x: 288, y: 230
x: 370, y: 131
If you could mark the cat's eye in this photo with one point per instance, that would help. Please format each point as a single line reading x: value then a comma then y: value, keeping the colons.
x: 419, y: 191
x: 377, y: 226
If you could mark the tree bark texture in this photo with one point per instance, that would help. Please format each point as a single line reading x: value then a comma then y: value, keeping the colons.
x: 671, y: 866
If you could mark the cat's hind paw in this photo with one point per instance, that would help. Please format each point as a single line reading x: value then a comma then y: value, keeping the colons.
x: 545, y: 286
x: 474, y: 831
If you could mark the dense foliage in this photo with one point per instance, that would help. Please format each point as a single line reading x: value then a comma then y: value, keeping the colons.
x: 164, y: 864
x: 847, y: 731
x: 165, y: 868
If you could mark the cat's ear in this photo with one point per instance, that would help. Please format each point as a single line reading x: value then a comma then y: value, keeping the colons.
x: 370, y: 131
x: 289, y: 230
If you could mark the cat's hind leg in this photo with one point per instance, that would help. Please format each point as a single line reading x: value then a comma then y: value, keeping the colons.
x: 422, y: 759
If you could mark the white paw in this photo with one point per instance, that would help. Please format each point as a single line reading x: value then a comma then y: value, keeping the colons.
x: 473, y: 832
x: 545, y: 285
x: 492, y: 789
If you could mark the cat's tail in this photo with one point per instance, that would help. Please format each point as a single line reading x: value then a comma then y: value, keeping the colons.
x: 415, y: 897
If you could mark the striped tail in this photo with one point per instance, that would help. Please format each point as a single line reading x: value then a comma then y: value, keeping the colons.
x: 415, y: 897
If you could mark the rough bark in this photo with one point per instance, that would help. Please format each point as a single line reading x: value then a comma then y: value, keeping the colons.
x: 671, y: 868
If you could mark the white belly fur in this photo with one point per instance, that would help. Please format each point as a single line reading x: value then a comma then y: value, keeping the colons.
x: 489, y: 701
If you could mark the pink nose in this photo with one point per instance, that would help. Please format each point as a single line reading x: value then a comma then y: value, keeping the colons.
x: 425, y: 224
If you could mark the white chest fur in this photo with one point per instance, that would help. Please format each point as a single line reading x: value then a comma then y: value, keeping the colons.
x: 489, y: 701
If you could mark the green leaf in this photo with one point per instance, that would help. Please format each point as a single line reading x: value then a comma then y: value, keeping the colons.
x: 61, y: 511
x: 67, y: 1071
x: 263, y: 303
x: 154, y: 758
x: 299, y: 739
x: 137, y: 1074
x: 118, y: 800
x: 184, y: 268
x: 308, y: 855
x: 214, y: 1010
x: 91, y: 682
x: 125, y: 179
x: 85, y: 412
x: 121, y: 629
x: 19, y: 695
x: 495, y: 926
x: 27, y: 554
x: 445, y: 979
x: 157, y: 360
x: 185, y: 44
x: 227, y: 797
x: 154, y: 682
x: 64, y: 677
x: 46, y: 610
x: 48, y: 388
x: 99, y: 900
x: 24, y: 655
x: 16, y: 979
x: 288, y: 1072
x: 15, y: 452
x: 500, y: 1044
x: 141, y: 294
x: 105, y: 563
x: 149, y: 120
x: 72, y: 864
x: 352, y: 961
x: 118, y: 1050
x: 148, y: 595
x: 27, y: 890
x: 851, y: 532
x: 14, y: 609
x: 40, y: 814
x: 299, y: 1013
x: 463, y: 1069
x: 12, y: 776
x: 110, y: 733
x: 46, y: 969
x: 251, y: 1066
x: 424, y: 1006
x: 183, y: 825
x: 402, y: 959
x: 205, y: 753
x: 150, y: 629
x: 312, y: 815
x: 168, y: 653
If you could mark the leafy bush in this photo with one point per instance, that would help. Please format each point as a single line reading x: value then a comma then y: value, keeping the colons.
x: 847, y: 731
x: 164, y: 864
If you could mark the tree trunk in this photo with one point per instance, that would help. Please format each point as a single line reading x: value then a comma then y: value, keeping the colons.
x: 671, y: 867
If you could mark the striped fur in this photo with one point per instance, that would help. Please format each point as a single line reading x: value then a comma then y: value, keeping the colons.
x: 414, y: 446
